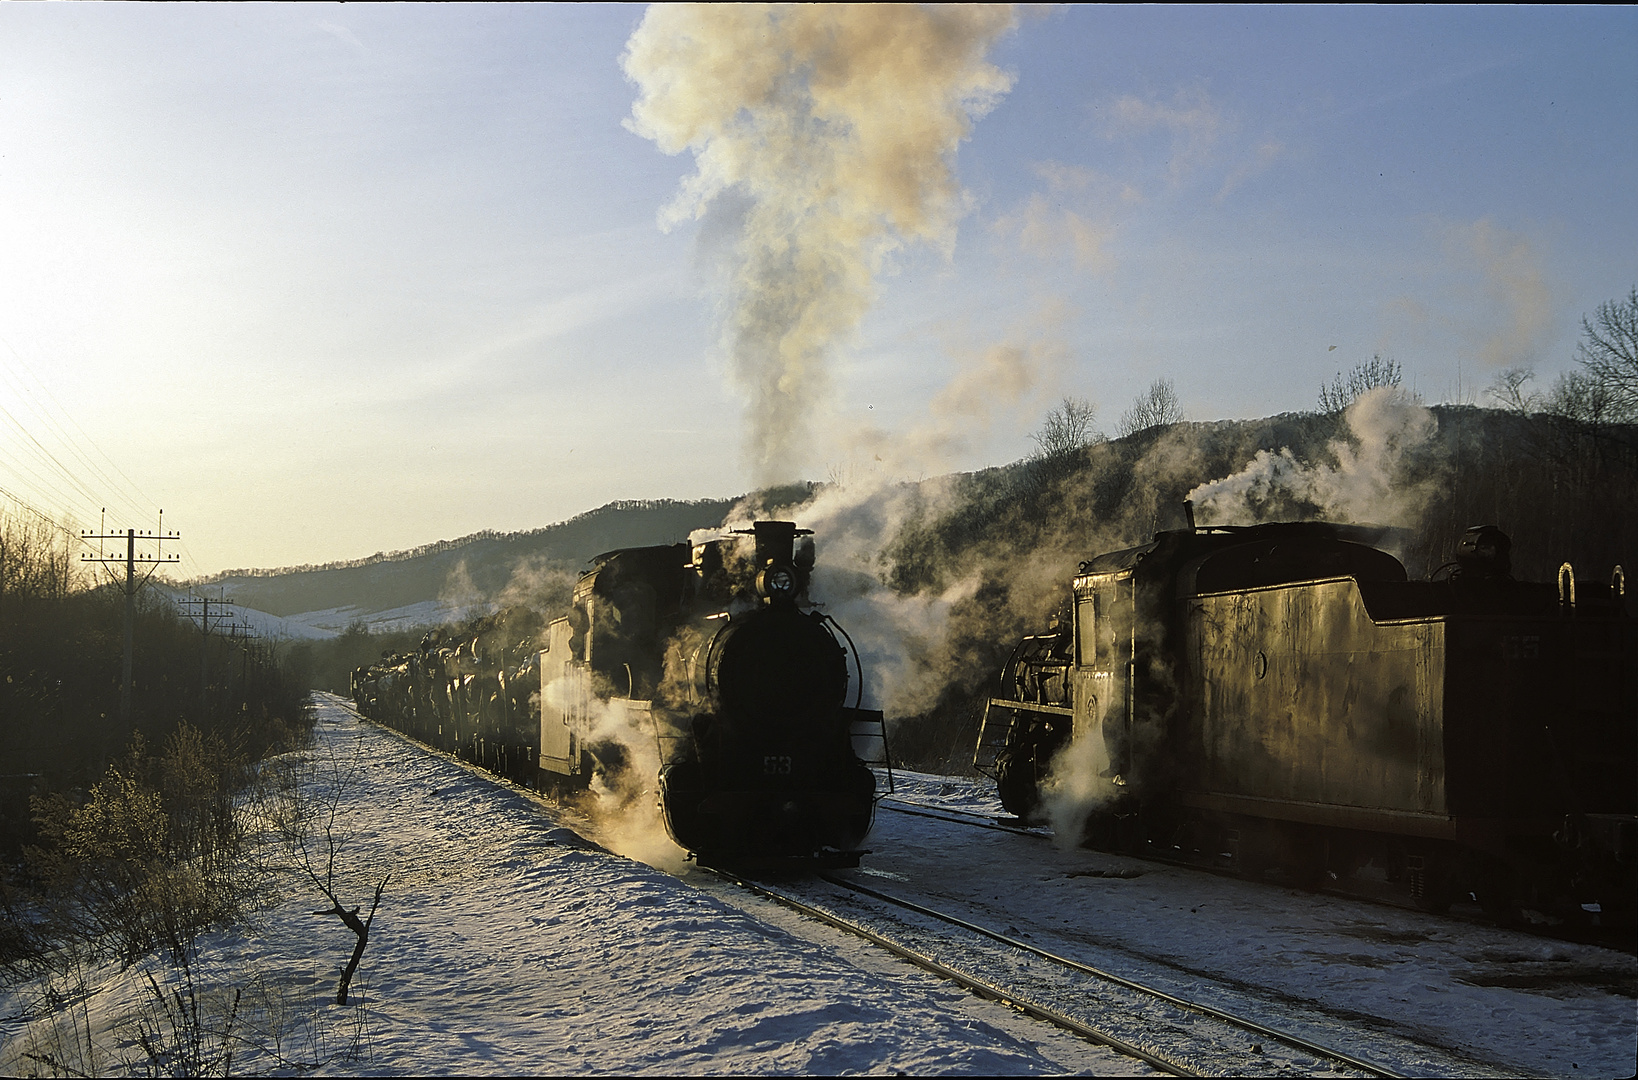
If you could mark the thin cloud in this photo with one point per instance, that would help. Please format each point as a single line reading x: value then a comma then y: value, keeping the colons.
x: 1195, y: 122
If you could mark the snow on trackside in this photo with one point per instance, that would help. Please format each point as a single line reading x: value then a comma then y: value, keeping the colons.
x: 1500, y: 998
x: 505, y: 944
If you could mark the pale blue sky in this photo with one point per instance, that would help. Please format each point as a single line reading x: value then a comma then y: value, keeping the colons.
x: 327, y: 280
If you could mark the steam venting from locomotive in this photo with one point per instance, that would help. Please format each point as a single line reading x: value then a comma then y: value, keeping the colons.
x: 825, y: 135
x: 1368, y: 483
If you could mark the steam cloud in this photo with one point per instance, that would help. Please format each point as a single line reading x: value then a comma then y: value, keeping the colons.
x: 835, y: 128
x: 1367, y: 484
x: 626, y: 811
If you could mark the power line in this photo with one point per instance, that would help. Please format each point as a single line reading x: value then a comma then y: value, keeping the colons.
x: 128, y: 496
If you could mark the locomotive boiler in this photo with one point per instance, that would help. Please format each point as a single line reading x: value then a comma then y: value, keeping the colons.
x: 1281, y: 695
x: 716, y: 649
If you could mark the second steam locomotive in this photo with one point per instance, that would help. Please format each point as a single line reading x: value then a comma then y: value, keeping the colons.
x: 1281, y: 695
x: 714, y: 653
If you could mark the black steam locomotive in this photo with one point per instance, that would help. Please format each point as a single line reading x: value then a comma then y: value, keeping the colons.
x: 1280, y: 696
x: 714, y: 652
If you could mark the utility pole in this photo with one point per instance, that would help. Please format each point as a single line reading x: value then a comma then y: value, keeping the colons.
x: 131, y: 559
x: 204, y: 617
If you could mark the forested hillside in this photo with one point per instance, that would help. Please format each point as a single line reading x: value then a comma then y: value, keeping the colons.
x: 482, y: 565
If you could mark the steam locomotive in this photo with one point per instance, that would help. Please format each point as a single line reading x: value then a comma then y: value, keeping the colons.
x: 1280, y: 697
x: 714, y: 652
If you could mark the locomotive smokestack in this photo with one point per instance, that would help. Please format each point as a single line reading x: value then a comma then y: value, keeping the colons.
x: 775, y: 542
x: 1188, y: 512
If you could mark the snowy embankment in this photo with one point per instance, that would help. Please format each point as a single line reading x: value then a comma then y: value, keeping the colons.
x: 504, y: 945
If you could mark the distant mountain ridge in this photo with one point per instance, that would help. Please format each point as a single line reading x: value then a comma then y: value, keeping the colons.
x: 460, y: 571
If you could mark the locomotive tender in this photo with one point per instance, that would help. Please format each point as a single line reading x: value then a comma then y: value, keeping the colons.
x: 1281, y: 695
x: 715, y: 653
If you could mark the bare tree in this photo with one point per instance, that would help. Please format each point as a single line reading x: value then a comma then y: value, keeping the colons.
x: 1155, y: 407
x: 1345, y: 389
x: 1067, y: 428
x: 1583, y: 399
x: 308, y: 817
x: 1509, y: 394
x: 1608, y: 353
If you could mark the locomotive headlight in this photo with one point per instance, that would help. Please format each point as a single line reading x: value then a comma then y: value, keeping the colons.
x: 777, y: 583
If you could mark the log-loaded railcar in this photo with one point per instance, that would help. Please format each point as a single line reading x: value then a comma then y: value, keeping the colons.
x: 1282, y: 696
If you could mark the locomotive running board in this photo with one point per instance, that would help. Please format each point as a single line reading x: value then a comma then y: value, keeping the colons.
x: 1030, y: 706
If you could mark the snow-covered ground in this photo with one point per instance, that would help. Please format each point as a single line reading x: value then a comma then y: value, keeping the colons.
x: 504, y: 944
x: 332, y: 621
x: 1494, y: 997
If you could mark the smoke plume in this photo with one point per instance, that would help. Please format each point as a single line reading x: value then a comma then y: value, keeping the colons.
x: 834, y: 129
x: 1368, y: 483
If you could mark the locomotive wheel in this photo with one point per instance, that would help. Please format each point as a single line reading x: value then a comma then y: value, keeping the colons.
x: 1130, y: 835
x: 1100, y: 831
x: 1015, y: 779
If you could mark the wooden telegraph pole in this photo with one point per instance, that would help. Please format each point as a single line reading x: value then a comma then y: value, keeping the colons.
x: 131, y: 559
x: 203, y: 614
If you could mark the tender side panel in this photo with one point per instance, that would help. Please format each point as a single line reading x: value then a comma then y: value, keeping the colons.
x: 1306, y: 701
x: 1541, y: 718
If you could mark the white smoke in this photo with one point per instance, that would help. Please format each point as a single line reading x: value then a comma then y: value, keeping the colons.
x: 902, y: 637
x: 1368, y: 483
x: 835, y: 127
x: 625, y: 805
x: 1075, y: 787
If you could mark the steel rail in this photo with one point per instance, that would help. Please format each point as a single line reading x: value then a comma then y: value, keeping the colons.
x: 977, y: 986
x: 1296, y: 1041
x: 1619, y: 941
x: 985, y: 822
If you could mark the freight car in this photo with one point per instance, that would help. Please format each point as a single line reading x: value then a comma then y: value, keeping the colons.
x: 467, y: 691
x: 1282, y: 697
x: 713, y: 652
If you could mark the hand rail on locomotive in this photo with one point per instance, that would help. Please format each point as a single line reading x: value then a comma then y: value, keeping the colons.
x: 885, y: 762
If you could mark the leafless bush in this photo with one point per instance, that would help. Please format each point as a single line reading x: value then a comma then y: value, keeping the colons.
x: 308, y: 814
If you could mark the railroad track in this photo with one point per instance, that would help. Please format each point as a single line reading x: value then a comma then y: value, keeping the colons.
x: 1174, y: 1035
x: 899, y: 804
x: 1621, y: 940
